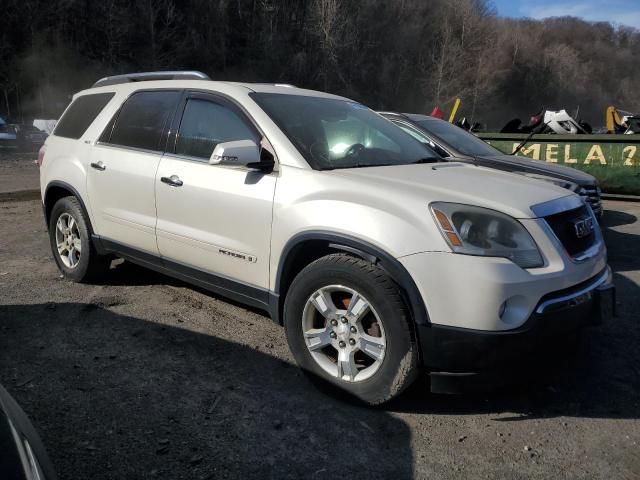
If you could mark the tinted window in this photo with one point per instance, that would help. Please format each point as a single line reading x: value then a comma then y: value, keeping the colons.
x: 459, y: 139
x: 332, y: 133
x: 206, y: 124
x: 80, y: 114
x: 143, y: 118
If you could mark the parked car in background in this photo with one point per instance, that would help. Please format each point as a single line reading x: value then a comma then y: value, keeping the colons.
x: 22, y: 454
x: 28, y: 137
x: 381, y: 261
x: 7, y: 135
x: 456, y: 144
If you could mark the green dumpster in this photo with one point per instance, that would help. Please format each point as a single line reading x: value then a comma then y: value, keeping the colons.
x: 613, y: 159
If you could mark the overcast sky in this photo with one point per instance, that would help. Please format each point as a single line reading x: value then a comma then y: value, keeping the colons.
x: 626, y: 12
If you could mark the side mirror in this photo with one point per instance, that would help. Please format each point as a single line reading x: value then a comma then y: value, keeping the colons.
x: 240, y: 153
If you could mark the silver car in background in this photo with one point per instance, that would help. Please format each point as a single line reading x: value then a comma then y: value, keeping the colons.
x: 456, y: 144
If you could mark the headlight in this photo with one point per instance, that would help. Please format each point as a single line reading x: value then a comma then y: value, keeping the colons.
x: 479, y: 231
x: 574, y: 187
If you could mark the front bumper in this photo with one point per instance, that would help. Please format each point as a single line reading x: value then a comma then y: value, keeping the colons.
x: 455, y: 356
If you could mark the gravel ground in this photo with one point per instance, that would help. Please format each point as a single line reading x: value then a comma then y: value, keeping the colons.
x: 145, y: 377
x: 18, y: 172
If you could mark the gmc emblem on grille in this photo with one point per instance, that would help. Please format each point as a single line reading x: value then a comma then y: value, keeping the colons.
x: 583, y: 227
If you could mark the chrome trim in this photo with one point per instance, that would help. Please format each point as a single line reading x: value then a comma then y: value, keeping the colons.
x: 598, y: 244
x: 592, y: 251
x: 570, y: 299
x: 201, y: 161
x: 187, y: 158
x: 128, y: 149
x: 588, y: 254
x: 558, y: 205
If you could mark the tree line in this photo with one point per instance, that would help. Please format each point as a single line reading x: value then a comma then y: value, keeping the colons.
x: 406, y: 55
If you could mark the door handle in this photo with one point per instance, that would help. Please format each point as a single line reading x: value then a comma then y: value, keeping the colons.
x: 99, y: 166
x: 173, y: 180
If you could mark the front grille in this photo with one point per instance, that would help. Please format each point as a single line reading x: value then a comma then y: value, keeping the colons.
x: 591, y: 193
x: 563, y: 225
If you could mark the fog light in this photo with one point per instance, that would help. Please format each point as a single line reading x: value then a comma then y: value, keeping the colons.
x: 503, y: 307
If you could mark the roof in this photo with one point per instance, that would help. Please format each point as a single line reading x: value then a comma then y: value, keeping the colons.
x: 220, y: 86
x: 418, y: 116
x: 410, y: 116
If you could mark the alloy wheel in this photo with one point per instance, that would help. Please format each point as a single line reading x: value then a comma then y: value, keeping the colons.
x: 68, y: 240
x: 343, y: 333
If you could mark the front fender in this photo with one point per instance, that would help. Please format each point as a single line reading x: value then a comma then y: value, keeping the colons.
x: 396, y: 221
x: 332, y: 208
x: 371, y: 252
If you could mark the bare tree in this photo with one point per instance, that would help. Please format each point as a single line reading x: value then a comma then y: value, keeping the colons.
x: 402, y: 54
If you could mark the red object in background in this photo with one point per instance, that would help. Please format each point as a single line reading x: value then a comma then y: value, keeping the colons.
x: 436, y: 112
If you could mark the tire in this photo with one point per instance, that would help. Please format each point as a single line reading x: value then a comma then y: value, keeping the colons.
x: 347, y: 281
x: 88, y: 266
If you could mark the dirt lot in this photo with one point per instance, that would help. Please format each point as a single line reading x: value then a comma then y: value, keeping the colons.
x: 18, y: 173
x: 145, y: 377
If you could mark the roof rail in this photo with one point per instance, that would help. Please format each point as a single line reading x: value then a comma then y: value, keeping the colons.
x: 274, y: 84
x: 145, y: 76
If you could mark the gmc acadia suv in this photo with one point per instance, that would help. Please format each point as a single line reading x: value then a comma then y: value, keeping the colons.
x: 379, y: 260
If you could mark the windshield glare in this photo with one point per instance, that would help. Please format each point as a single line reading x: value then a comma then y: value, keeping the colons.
x: 459, y: 139
x: 332, y: 133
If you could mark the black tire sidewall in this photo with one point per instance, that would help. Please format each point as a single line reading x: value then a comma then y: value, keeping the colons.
x: 71, y: 206
x: 400, y: 350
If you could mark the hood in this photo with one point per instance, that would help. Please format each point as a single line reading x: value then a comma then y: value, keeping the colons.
x: 522, y: 164
x: 511, y: 194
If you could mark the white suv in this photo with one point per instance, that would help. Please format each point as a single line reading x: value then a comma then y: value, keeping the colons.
x: 379, y: 260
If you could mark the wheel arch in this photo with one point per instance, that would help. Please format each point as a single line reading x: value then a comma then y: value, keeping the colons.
x: 55, y: 191
x: 306, y: 247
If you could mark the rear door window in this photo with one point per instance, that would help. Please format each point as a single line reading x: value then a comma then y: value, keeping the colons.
x: 143, y: 119
x: 80, y: 114
x: 205, y: 124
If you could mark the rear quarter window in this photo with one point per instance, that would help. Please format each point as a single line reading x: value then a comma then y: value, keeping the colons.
x: 80, y: 114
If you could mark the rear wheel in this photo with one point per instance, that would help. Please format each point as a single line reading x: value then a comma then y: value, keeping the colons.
x: 71, y: 244
x: 347, y: 324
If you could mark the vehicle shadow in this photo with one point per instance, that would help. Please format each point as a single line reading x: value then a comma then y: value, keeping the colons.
x: 592, y: 374
x: 119, y: 397
x: 128, y: 274
x: 623, y: 248
x: 595, y: 373
x: 124, y: 273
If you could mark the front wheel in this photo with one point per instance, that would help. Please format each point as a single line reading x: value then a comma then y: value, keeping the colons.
x: 71, y: 244
x: 347, y: 324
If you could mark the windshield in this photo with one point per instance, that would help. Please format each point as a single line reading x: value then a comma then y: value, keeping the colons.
x: 331, y: 133
x: 459, y: 139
